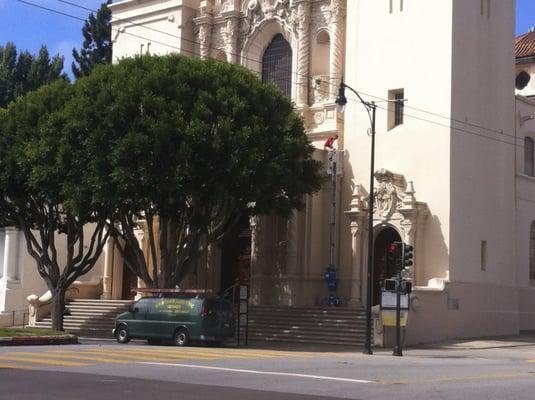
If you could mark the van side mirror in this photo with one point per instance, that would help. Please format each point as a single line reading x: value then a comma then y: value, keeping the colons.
x: 132, y: 308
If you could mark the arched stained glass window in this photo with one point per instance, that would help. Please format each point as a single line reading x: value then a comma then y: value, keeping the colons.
x: 277, y: 64
x: 532, y: 253
x: 528, y: 157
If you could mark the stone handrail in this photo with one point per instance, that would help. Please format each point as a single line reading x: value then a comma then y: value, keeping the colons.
x: 39, y: 306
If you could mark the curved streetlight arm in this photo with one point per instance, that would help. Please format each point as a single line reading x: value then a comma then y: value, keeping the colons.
x: 341, y: 100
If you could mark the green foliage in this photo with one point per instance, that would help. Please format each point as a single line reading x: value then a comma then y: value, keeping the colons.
x: 196, y: 143
x: 22, y: 73
x: 43, y: 189
x: 96, y: 48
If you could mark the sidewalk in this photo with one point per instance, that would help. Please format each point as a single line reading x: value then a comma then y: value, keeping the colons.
x: 525, y: 339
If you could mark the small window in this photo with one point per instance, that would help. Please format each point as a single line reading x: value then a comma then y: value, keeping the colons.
x: 483, y: 255
x: 528, y: 156
x: 395, y: 108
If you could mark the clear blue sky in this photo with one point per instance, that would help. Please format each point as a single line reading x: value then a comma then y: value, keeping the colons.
x: 29, y: 27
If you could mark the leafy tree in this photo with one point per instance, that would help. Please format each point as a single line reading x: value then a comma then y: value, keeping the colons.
x: 96, y: 48
x: 22, y: 73
x: 188, y: 146
x: 43, y: 189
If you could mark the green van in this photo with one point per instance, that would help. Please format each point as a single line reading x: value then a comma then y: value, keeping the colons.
x: 180, y: 319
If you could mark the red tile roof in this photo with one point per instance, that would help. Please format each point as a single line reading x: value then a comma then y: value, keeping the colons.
x: 525, y: 45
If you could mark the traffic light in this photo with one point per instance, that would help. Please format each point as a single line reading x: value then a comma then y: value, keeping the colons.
x: 391, y: 257
x: 407, y: 255
x: 406, y: 287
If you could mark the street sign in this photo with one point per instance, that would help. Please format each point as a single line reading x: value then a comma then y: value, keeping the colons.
x: 388, y: 301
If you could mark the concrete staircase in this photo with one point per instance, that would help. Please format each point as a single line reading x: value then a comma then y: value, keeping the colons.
x: 90, y: 317
x: 314, y: 325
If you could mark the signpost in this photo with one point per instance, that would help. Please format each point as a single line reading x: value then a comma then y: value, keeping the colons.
x: 243, y: 312
x: 395, y: 293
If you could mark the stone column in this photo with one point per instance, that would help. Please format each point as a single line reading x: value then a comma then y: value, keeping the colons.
x: 11, y: 255
x: 355, y: 297
x: 107, y: 279
x: 257, y: 269
x: 291, y: 243
x: 2, y: 241
x: 303, y: 54
x: 140, y: 235
x: 231, y: 36
x: 204, y: 22
x: 11, y: 298
x: 357, y: 214
x: 338, y: 14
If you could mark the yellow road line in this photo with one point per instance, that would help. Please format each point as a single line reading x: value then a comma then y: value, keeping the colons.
x: 220, y: 352
x: 201, y: 352
x: 164, y: 352
x: 14, y: 366
x: 188, y: 354
x: 73, y: 355
x: 459, y: 378
x: 42, y: 360
x: 133, y: 356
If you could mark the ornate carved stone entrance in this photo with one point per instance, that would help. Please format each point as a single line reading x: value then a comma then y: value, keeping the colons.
x: 395, y: 207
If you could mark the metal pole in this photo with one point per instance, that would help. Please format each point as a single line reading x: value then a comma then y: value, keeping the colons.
x: 333, y: 209
x: 369, y: 298
x: 397, y: 348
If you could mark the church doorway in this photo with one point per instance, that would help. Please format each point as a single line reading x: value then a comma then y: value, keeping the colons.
x: 236, y: 255
x: 129, y: 282
x: 381, y: 269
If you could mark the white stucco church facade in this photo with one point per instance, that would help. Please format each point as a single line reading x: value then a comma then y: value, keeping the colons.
x: 452, y: 168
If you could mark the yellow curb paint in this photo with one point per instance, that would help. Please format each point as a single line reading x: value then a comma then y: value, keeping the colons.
x: 42, y: 360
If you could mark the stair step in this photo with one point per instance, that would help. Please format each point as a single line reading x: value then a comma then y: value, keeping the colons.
x: 315, y: 325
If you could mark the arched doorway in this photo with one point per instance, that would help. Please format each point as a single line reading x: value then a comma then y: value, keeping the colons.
x: 236, y: 255
x: 381, y: 270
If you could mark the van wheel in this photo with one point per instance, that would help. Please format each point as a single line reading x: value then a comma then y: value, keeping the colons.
x: 122, y: 335
x: 181, y: 337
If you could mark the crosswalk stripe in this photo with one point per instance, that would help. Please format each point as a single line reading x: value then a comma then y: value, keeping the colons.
x: 14, y: 366
x: 43, y: 360
x: 73, y: 355
x: 164, y: 352
x: 225, y: 352
x: 133, y: 356
x: 193, y: 353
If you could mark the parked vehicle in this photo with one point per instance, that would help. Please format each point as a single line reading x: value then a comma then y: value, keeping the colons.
x: 177, y: 318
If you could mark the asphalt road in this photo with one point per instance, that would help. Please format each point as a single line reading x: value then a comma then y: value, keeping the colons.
x: 477, y: 370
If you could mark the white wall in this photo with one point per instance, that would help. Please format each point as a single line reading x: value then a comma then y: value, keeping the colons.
x: 482, y: 167
x: 407, y: 49
x: 164, y: 26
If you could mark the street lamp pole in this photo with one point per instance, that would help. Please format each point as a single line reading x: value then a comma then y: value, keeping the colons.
x: 341, y: 102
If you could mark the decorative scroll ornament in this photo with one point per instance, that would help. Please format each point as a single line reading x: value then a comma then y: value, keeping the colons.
x: 258, y: 11
x: 387, y: 199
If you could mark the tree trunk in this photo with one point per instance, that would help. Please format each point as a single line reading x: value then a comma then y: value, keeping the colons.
x: 58, y: 306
